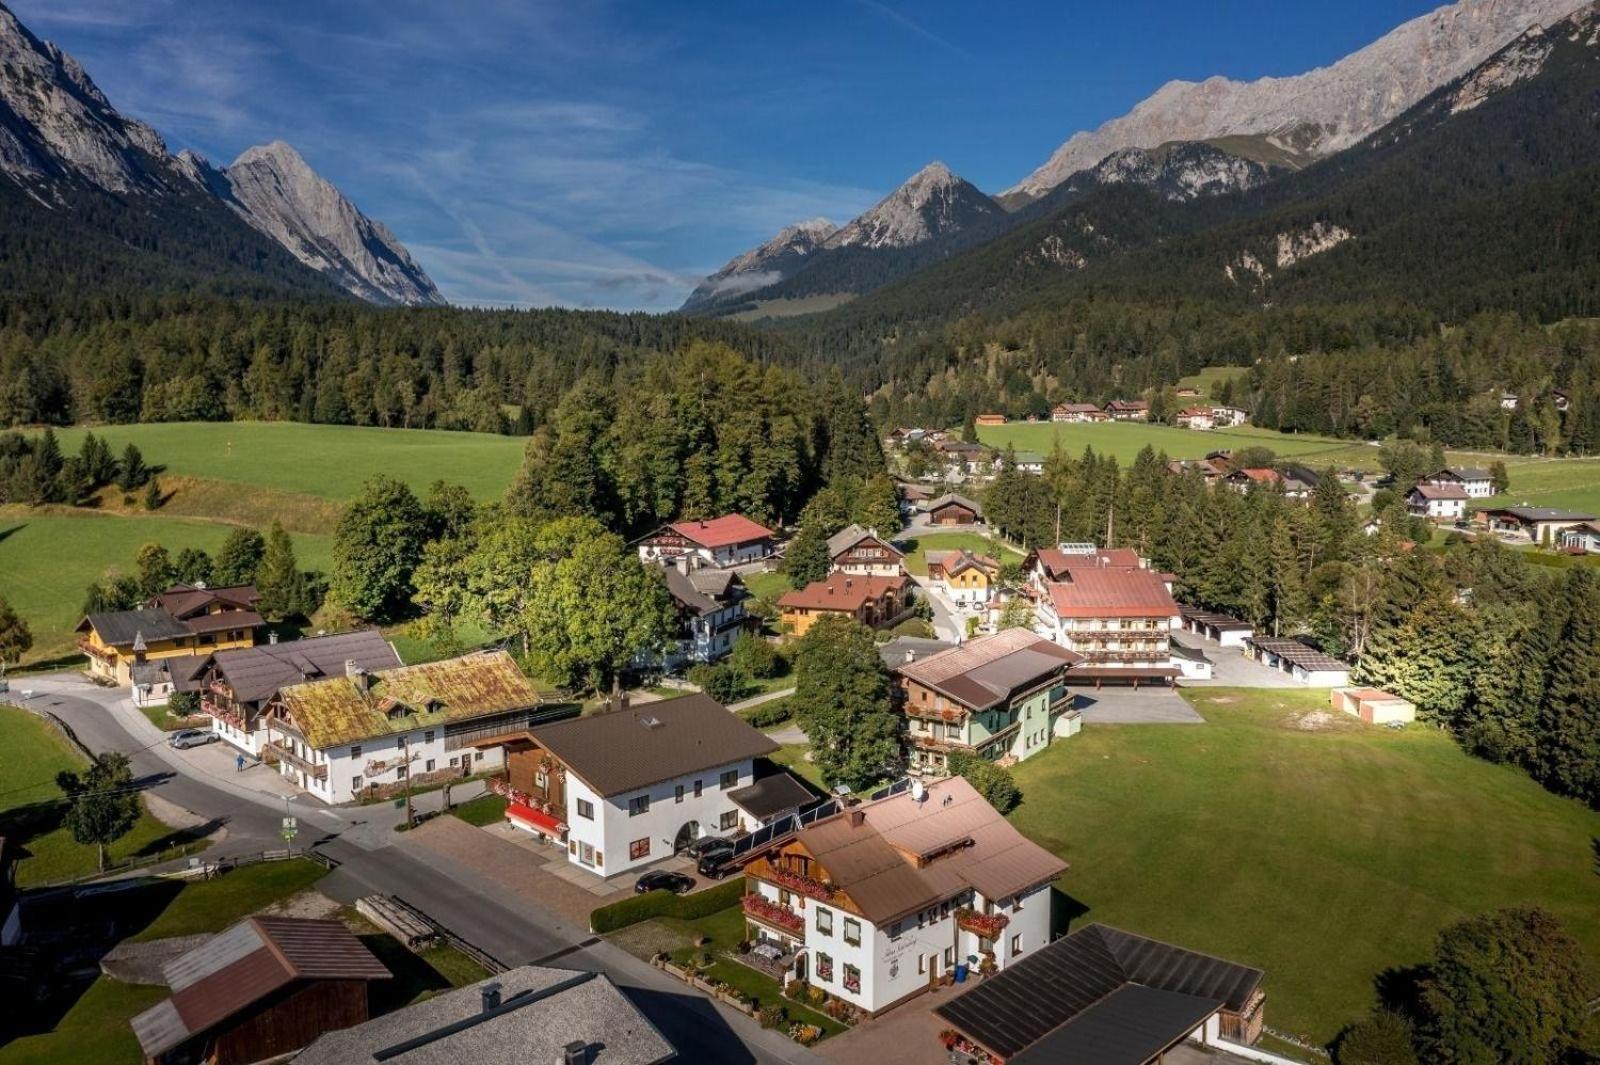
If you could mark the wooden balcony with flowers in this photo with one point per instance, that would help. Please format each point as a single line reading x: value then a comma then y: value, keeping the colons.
x: 798, y: 883
x: 774, y: 916
x: 983, y: 925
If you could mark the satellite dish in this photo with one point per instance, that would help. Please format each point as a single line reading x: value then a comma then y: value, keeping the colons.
x: 918, y: 791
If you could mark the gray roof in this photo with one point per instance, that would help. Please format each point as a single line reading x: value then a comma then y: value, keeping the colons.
x: 121, y: 627
x: 704, y: 590
x: 1132, y: 1025
x: 636, y: 746
x: 256, y: 673
x: 771, y: 796
x: 961, y: 500
x: 541, y: 1011
x: 1543, y: 514
x: 895, y: 651
x: 1299, y: 654
x: 1075, y: 980
x: 852, y: 534
x: 1468, y: 473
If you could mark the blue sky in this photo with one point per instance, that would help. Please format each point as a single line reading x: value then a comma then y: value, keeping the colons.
x: 586, y: 153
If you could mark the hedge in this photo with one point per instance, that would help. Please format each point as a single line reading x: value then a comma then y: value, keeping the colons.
x: 636, y: 908
x: 770, y: 713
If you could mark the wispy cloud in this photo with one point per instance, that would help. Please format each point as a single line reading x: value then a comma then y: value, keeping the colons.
x: 905, y: 21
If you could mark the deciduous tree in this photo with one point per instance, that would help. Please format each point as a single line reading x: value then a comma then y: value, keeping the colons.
x: 376, y: 548
x: 842, y: 701
x: 102, y: 805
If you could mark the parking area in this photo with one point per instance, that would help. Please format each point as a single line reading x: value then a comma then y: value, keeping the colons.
x: 1151, y: 705
x: 1230, y: 668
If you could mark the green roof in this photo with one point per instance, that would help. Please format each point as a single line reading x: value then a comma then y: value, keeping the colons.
x: 388, y: 701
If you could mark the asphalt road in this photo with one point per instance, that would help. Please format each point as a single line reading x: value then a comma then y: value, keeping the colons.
x: 374, y: 859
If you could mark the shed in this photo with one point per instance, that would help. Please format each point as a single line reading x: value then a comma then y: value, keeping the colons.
x: 1373, y: 706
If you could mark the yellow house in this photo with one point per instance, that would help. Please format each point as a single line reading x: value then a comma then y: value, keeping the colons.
x: 964, y: 576
x: 183, y: 620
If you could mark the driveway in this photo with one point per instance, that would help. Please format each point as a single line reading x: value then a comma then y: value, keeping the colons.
x: 1230, y: 668
x: 1146, y: 706
x: 948, y: 623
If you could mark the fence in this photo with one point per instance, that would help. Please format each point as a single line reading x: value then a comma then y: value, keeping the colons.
x: 489, y: 962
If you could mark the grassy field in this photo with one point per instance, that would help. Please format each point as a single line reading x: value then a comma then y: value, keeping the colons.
x: 30, y: 814
x: 1210, y: 379
x: 48, y: 559
x: 1322, y: 855
x: 1572, y: 484
x: 917, y: 548
x: 330, y: 461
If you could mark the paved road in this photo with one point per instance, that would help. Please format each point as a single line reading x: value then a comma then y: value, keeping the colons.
x: 373, y: 858
x: 947, y: 624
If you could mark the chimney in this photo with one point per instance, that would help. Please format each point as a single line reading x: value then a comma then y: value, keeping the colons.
x: 272, y: 638
x: 351, y: 669
x: 911, y: 654
x: 491, y: 996
x: 574, y: 1053
x: 858, y: 818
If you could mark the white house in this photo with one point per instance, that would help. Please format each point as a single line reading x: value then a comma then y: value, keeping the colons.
x: 863, y: 553
x: 1228, y: 417
x: 1585, y: 537
x: 1441, y: 502
x: 1077, y: 412
x: 876, y: 903
x: 631, y: 786
x: 1196, y: 418
x: 731, y: 540
x: 1477, y: 483
x: 711, y: 611
x: 1108, y: 606
x: 341, y: 737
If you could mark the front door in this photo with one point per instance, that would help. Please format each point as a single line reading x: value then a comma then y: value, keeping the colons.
x: 586, y: 854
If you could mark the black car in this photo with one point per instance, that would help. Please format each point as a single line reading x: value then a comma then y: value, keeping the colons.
x: 703, y: 844
x: 716, y: 862
x: 677, y: 883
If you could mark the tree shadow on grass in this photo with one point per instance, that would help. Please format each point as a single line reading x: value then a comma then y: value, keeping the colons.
x: 180, y: 837
x: 6, y: 533
x: 413, y: 977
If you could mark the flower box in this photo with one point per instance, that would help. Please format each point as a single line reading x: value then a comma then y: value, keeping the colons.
x: 773, y: 914
x: 986, y: 925
x: 801, y: 884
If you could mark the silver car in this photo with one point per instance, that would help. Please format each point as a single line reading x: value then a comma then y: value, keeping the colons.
x: 185, y: 738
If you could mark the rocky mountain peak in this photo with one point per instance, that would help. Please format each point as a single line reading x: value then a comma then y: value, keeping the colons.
x: 931, y: 203
x: 765, y: 265
x: 1316, y: 113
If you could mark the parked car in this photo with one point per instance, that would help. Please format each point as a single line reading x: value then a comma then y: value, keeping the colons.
x: 185, y: 738
x: 698, y: 847
x: 716, y: 862
x: 661, y: 880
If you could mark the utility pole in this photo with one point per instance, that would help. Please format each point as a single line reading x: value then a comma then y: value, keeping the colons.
x: 405, y: 763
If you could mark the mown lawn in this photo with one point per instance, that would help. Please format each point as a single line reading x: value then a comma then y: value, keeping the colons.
x: 331, y: 461
x: 767, y: 585
x: 1126, y: 439
x: 49, y: 559
x: 484, y: 810
x: 1324, y: 856
x: 1571, y: 484
x: 31, y: 813
x: 212, y: 905
x: 918, y: 546
x: 792, y: 756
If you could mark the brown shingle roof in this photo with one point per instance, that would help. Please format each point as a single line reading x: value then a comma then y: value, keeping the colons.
x: 986, y: 671
x: 841, y: 591
x: 963, y: 841
x: 256, y: 673
x: 632, y: 748
x: 185, y: 600
x: 1112, y: 592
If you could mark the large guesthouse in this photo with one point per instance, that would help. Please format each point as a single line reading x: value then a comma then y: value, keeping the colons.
x: 731, y: 540
x: 184, y: 620
x: 1107, y: 606
x: 878, y: 902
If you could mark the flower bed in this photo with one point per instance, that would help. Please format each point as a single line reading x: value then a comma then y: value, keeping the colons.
x: 770, y: 912
x: 987, y: 925
x: 800, y: 884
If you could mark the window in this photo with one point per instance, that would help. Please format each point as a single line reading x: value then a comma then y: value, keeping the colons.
x: 478, y: 757
x: 427, y: 737
x: 455, y: 760
x: 949, y: 956
x: 825, y: 967
x: 539, y: 778
x: 1016, y: 944
x: 639, y: 848
x: 852, y: 931
x: 730, y: 819
x: 852, y: 978
x: 697, y: 789
x: 922, y: 964
x: 730, y: 779
x: 824, y: 921
x: 403, y: 771
x: 677, y: 793
x: 355, y: 783
x: 639, y: 804
x: 428, y: 766
x: 355, y: 751
x: 586, y: 809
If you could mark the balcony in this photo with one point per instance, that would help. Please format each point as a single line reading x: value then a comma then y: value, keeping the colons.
x: 984, y: 925
x: 283, y: 753
x: 774, y: 916
x: 799, y: 883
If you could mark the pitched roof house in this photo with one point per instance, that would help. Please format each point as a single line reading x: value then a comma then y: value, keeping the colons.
x: 963, y: 575
x: 730, y: 540
x: 711, y: 611
x: 530, y: 1014
x: 1110, y: 997
x: 265, y: 987
x: 630, y: 786
x: 887, y: 895
x: 1476, y: 481
x: 864, y: 553
x: 1109, y: 607
x: 1437, y: 501
x: 1128, y: 410
x: 1001, y: 697
x: 873, y: 601
x: 953, y: 509
x: 183, y: 620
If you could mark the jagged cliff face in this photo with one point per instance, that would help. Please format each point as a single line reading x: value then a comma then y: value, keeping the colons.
x: 1316, y: 113
x: 932, y: 203
x: 58, y: 131
x: 1178, y: 172
x: 275, y: 190
x: 766, y: 265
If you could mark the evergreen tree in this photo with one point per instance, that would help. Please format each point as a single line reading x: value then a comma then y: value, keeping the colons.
x: 1568, y: 743
x: 156, y: 570
x: 283, y: 589
x: 132, y: 472
x: 15, y: 636
x: 239, y: 559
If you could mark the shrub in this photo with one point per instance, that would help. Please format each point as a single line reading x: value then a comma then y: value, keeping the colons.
x: 636, y: 908
x: 1384, y: 1038
x: 771, y: 1016
x: 183, y: 704
x: 723, y: 683
x: 756, y: 657
x: 914, y: 627
x: 995, y: 784
x: 769, y: 714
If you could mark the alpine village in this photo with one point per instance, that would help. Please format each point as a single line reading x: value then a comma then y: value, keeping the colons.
x: 1148, y: 615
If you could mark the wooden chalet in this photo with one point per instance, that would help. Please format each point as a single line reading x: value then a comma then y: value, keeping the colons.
x: 864, y: 553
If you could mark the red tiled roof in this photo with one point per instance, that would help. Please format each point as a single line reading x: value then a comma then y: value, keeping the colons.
x: 841, y: 591
x: 1112, y: 592
x: 1057, y: 561
x: 722, y: 532
x: 1440, y: 491
x: 1262, y: 475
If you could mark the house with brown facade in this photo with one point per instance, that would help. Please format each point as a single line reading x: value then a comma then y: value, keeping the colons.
x: 186, y: 619
x: 1002, y: 697
x: 627, y: 787
x: 953, y: 509
x: 262, y: 989
x: 879, y: 902
x: 863, y: 553
x: 876, y: 602
x: 1076, y: 412
x: 1128, y: 410
x: 711, y: 612
x: 989, y: 419
x: 731, y: 540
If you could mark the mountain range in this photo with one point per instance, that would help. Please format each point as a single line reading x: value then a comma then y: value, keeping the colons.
x: 1186, y: 141
x: 76, y: 171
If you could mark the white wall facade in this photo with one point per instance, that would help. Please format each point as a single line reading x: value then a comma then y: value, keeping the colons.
x: 603, y: 842
x: 250, y: 741
x: 350, y: 766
